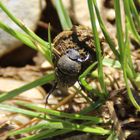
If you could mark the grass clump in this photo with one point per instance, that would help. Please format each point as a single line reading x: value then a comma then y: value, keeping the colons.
x: 55, y: 122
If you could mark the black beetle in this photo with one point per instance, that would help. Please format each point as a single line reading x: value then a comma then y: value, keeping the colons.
x: 77, y: 52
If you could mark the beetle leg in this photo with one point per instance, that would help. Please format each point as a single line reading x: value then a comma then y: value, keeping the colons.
x: 50, y: 92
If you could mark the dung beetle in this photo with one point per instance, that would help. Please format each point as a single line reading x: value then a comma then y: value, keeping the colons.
x: 77, y: 52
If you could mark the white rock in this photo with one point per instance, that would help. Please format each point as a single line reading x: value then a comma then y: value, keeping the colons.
x: 8, y: 84
x: 28, y: 11
x: 110, y: 14
x: 20, y: 119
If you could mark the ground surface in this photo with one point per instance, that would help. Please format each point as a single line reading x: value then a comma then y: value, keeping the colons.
x: 24, y: 65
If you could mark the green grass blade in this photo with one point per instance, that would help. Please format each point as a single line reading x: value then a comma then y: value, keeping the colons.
x: 130, y: 94
x: 82, y: 78
x: 127, y: 44
x: 60, y: 114
x: 42, y: 43
x: 63, y: 15
x: 22, y: 37
x: 119, y: 28
x: 56, y: 125
x: 109, y: 40
x: 135, y: 12
x: 120, y: 38
x: 137, y: 80
x: 43, y: 80
x: 98, y: 48
x: 63, y: 125
x: 41, y: 126
x: 131, y: 97
x: 92, y: 107
x: 111, y: 63
x: 26, y: 39
x: 45, y: 134
x: 112, y: 136
x: 50, y: 133
x: 130, y: 20
x: 32, y: 114
x: 50, y: 43
x: 104, y: 30
x: 123, y: 50
x: 10, y: 108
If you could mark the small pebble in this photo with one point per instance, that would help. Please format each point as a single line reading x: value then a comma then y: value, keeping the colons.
x: 110, y: 15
